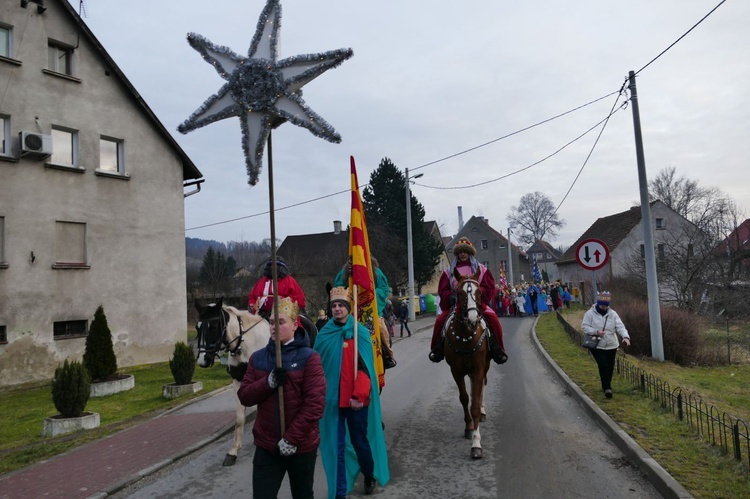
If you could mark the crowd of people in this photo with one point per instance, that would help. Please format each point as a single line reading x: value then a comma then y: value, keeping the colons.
x: 330, y: 390
x: 531, y: 299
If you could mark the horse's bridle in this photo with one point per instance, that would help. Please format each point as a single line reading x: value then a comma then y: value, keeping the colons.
x: 211, y: 349
x: 462, y: 314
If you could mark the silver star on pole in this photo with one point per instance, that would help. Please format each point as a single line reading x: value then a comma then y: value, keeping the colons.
x: 260, y: 90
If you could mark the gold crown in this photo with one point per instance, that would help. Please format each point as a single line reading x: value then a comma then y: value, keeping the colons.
x: 341, y: 293
x: 288, y: 307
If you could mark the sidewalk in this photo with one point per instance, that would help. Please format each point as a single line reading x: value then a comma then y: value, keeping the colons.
x: 104, y: 467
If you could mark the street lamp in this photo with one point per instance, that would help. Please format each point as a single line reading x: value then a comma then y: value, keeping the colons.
x: 410, y: 249
x: 510, y: 260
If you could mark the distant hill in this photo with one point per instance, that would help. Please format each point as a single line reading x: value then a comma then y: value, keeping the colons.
x: 196, y: 248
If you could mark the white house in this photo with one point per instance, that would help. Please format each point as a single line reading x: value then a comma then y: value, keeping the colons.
x: 92, y: 190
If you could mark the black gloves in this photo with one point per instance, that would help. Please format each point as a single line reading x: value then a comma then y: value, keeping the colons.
x: 277, y: 377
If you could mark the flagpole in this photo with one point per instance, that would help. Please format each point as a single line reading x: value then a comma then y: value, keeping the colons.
x: 274, y: 276
x: 356, y: 321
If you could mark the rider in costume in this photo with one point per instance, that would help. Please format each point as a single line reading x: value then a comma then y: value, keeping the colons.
x: 260, y: 300
x: 466, y: 264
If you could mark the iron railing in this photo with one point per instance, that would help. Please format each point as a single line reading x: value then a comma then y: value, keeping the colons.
x: 716, y: 427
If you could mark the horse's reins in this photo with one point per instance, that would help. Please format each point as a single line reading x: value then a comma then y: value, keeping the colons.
x: 213, y: 349
x: 463, y: 317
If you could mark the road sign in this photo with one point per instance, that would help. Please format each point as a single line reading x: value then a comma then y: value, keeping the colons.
x: 592, y: 254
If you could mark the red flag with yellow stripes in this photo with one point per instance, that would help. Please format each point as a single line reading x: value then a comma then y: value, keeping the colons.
x: 362, y: 274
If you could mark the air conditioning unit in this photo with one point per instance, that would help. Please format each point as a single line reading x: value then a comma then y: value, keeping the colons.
x: 35, y: 145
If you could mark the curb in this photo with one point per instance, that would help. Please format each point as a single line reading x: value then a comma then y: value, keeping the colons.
x: 664, y: 483
x: 149, y: 470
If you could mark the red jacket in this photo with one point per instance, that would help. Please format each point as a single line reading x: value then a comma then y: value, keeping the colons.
x: 487, y: 283
x: 261, y: 296
x: 348, y: 387
x: 304, y: 395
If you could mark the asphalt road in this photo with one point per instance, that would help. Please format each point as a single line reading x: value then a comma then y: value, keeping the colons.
x: 538, y: 442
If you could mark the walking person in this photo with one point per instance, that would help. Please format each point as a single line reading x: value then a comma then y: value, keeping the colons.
x: 403, y: 318
x: 296, y: 450
x: 604, y: 322
x: 351, y: 429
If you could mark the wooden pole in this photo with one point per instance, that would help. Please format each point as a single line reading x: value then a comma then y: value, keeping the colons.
x: 274, y: 274
x: 356, y: 322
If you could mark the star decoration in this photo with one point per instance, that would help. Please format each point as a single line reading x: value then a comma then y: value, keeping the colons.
x: 262, y: 91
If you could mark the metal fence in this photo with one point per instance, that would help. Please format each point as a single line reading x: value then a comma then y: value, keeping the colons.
x: 716, y: 427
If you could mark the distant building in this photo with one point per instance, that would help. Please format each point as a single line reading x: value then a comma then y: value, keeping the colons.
x: 546, y: 258
x: 492, y: 250
x: 91, y: 201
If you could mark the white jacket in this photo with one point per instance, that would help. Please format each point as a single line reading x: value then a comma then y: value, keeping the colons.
x: 610, y: 322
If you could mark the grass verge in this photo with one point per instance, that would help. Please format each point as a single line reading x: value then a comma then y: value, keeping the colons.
x: 21, y: 440
x: 699, y: 467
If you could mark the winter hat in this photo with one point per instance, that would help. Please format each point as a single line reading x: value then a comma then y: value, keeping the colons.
x: 343, y: 295
x: 603, y: 298
x: 464, y: 244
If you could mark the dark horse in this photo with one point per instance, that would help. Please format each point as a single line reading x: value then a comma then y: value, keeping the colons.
x: 468, y: 354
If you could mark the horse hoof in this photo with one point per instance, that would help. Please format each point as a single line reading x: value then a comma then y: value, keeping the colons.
x: 476, y: 453
x: 229, y: 460
x: 482, y: 418
x: 467, y: 434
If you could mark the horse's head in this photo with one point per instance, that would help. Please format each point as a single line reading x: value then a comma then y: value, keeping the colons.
x: 211, y: 328
x: 469, y: 303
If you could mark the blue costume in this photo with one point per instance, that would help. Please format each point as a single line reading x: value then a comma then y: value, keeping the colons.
x: 329, y: 344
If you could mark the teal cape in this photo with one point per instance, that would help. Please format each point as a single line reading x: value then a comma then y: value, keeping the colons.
x: 329, y: 344
x: 382, y: 288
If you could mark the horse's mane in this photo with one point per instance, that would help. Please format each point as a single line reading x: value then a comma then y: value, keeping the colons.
x: 244, y: 314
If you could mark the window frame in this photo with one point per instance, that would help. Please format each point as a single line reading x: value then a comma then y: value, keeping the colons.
x: 484, y: 244
x: 71, y: 327
x: 3, y: 334
x: 74, y: 150
x: 69, y: 50
x: 660, y: 223
x: 9, y: 40
x: 3, y: 262
x: 6, y: 149
x: 119, y: 154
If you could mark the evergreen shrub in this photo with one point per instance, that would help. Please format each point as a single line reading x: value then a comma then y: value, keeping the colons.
x: 71, y: 389
x: 99, y: 357
x: 182, y: 364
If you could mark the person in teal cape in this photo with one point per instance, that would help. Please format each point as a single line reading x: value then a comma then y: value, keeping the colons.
x: 382, y: 292
x: 351, y: 431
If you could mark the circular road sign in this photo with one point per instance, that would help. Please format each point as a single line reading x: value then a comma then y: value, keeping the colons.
x: 592, y: 254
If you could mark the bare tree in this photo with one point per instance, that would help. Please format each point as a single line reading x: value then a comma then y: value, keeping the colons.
x: 536, y: 217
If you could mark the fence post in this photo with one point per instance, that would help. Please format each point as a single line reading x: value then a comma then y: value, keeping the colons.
x: 643, y: 382
x: 679, y: 406
x: 736, y: 441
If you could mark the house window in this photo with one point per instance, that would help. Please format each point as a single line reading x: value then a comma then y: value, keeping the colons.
x: 5, y: 131
x: 660, y: 225
x: 70, y: 244
x: 6, y: 37
x: 503, y: 264
x: 486, y: 264
x: 662, y: 255
x: 484, y: 244
x: 3, y: 335
x: 60, y: 58
x: 69, y: 329
x: 64, y: 147
x: 111, y: 155
x: 2, y: 242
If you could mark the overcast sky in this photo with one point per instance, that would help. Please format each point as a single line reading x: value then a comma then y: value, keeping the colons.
x: 429, y: 80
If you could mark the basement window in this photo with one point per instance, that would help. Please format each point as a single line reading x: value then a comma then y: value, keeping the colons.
x: 69, y: 329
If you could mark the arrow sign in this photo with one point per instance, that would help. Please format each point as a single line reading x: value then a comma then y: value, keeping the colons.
x: 592, y: 254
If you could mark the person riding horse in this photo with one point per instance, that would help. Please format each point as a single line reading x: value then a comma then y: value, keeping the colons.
x: 466, y: 264
x: 260, y: 299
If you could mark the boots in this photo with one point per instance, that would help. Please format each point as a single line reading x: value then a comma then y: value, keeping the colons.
x: 438, y: 354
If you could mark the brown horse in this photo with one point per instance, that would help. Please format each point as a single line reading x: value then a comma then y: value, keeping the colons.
x: 468, y: 354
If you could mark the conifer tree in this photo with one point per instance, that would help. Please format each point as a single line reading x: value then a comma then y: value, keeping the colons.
x: 99, y: 357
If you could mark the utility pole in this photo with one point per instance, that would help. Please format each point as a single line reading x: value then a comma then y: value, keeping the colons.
x: 510, y: 261
x: 652, y: 285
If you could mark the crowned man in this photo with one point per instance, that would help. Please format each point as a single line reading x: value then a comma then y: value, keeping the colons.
x: 351, y: 431
x: 466, y: 264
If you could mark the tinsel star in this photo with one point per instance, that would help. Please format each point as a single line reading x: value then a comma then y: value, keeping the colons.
x: 260, y: 90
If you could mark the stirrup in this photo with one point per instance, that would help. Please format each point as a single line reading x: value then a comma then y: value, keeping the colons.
x: 436, y: 356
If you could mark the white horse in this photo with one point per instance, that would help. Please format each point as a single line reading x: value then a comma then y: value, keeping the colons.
x: 239, y: 333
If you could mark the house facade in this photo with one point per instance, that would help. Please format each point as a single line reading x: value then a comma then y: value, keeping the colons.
x: 92, y: 193
x: 492, y: 250
x: 546, y: 259
x: 622, y: 233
